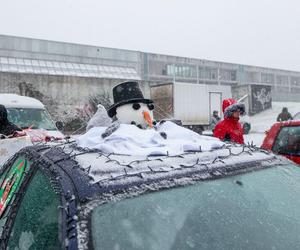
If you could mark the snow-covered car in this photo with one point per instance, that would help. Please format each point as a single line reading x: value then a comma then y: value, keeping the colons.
x: 236, y: 197
x: 27, y: 112
x: 284, y: 138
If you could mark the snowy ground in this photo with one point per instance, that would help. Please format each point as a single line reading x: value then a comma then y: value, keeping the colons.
x: 264, y: 120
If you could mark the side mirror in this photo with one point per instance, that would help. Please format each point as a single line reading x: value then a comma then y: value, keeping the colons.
x: 59, y: 125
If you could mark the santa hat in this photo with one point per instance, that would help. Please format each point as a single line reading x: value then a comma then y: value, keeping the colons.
x: 230, y: 106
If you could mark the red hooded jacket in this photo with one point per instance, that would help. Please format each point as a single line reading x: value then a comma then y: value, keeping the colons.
x: 230, y: 129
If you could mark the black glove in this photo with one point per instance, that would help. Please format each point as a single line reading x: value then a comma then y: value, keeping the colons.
x: 227, y: 137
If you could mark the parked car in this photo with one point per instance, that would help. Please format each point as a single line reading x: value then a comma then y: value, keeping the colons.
x: 31, y: 115
x: 237, y: 197
x: 28, y: 112
x: 284, y: 138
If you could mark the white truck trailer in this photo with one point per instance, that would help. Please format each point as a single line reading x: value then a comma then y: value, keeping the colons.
x: 191, y: 103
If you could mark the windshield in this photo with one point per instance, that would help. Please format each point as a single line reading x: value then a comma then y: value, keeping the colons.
x: 288, y: 141
x: 258, y: 210
x: 34, y: 118
x: 297, y: 116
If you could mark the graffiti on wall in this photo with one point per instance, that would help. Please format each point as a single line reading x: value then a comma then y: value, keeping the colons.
x: 261, y: 98
x: 27, y: 89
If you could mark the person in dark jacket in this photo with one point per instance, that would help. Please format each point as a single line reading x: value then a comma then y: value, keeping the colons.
x: 214, y: 120
x: 6, y: 128
x: 229, y: 129
x: 284, y: 115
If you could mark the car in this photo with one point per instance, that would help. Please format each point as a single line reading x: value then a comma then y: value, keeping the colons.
x: 27, y: 112
x: 62, y: 196
x: 30, y: 115
x: 284, y: 138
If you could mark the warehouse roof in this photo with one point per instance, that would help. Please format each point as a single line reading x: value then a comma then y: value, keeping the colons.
x: 35, y: 66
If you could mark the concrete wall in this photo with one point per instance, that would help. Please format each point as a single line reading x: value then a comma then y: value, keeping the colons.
x: 61, y: 94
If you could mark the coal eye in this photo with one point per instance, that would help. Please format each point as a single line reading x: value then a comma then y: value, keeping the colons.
x: 150, y: 106
x: 136, y: 106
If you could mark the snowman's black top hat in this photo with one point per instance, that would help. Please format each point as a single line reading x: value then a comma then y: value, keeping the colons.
x: 124, y: 93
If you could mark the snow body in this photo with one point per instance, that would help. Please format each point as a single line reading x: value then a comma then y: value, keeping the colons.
x: 130, y: 140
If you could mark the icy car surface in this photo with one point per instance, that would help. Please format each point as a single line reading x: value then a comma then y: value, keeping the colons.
x: 237, y: 197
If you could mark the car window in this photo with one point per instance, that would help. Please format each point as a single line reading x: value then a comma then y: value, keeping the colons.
x: 37, y: 222
x: 10, y: 181
x: 257, y: 210
x: 288, y: 141
x: 28, y: 117
x: 297, y: 116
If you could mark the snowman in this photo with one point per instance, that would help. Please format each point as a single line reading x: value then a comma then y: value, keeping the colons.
x: 130, y: 106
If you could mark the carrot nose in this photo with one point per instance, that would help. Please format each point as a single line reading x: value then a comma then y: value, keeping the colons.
x: 148, y: 119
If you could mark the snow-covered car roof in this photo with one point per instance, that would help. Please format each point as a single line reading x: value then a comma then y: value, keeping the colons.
x: 95, y: 173
x: 18, y: 101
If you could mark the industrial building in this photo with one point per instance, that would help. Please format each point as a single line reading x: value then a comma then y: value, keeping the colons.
x: 64, y: 74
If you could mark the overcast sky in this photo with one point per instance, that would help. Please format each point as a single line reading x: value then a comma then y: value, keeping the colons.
x: 255, y: 32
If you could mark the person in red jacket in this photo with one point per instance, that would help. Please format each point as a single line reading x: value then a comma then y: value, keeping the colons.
x: 230, y: 129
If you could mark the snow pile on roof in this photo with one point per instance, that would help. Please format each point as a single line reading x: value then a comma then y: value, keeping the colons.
x: 167, y: 139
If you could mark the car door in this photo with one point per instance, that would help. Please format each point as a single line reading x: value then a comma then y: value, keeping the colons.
x: 29, y: 208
